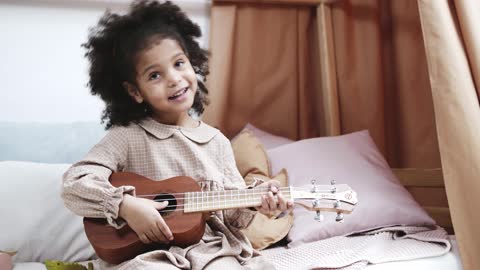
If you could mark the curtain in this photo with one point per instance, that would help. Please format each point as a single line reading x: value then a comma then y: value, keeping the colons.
x: 268, y: 68
x: 262, y: 69
x: 383, y: 81
x: 452, y: 42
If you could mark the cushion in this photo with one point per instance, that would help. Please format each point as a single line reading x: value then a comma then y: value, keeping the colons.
x: 268, y: 140
x: 39, y: 226
x: 252, y: 163
x: 5, y: 260
x: 351, y: 159
x: 250, y: 157
x: 52, y: 143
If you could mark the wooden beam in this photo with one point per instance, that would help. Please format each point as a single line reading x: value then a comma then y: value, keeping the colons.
x: 328, y: 71
x: 415, y: 177
x: 279, y: 2
x: 442, y: 216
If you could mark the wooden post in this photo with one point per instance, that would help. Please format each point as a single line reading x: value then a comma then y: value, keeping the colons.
x: 328, y: 70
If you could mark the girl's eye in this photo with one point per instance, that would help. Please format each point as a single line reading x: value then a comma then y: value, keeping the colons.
x: 179, y: 63
x: 154, y: 76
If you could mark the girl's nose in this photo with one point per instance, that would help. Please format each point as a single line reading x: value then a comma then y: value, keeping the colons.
x: 174, y: 78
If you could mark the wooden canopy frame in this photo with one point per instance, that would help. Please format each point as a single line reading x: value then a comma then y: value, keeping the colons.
x: 281, y: 2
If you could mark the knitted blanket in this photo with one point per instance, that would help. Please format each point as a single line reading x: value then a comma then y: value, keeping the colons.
x: 389, y: 244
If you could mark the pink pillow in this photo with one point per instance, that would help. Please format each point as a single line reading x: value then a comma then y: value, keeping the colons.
x: 268, y: 140
x: 5, y: 261
x: 354, y: 160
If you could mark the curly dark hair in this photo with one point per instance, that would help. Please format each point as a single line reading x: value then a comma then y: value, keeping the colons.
x: 115, y: 41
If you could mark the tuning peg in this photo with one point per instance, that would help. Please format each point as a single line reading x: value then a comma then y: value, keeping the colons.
x: 336, y: 204
x: 319, y: 216
x: 334, y: 188
x: 339, y: 217
x: 314, y: 187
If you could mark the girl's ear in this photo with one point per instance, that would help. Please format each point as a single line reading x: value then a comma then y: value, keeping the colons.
x: 133, y: 91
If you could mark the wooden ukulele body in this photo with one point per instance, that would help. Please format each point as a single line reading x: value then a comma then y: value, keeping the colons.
x: 118, y: 245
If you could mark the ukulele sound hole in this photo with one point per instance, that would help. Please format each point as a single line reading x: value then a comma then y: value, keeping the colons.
x: 172, y: 203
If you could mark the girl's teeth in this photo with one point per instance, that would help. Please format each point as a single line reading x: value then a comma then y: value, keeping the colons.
x: 179, y: 93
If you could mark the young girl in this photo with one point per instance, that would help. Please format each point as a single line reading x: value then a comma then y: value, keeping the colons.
x: 144, y: 66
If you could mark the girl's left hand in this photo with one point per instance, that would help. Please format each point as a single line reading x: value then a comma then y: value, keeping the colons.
x: 273, y: 201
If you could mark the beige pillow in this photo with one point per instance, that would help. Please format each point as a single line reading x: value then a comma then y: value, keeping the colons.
x: 250, y: 156
x: 252, y: 162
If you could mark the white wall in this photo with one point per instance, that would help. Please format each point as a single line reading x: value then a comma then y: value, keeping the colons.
x: 43, y: 73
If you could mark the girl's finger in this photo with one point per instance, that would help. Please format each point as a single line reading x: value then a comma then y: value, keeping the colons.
x: 144, y: 239
x: 272, y: 204
x: 165, y: 229
x: 274, y: 185
x: 151, y: 236
x: 264, y: 204
x: 290, y: 205
x: 157, y: 234
x: 160, y: 205
x: 282, y: 204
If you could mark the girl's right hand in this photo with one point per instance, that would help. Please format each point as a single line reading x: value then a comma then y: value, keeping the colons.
x: 143, y: 217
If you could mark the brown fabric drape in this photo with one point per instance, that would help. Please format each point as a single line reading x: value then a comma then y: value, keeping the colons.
x: 266, y: 69
x: 262, y: 69
x: 383, y: 80
x: 452, y: 42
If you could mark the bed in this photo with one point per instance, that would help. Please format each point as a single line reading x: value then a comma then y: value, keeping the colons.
x: 38, y: 178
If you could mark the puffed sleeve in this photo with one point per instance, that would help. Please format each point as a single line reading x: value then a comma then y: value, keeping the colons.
x: 86, y: 189
x: 240, y: 217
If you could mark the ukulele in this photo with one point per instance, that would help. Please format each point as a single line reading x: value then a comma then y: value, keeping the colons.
x: 189, y: 207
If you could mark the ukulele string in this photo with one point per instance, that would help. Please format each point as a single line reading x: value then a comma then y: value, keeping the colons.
x: 164, y: 210
x: 204, y: 192
x: 201, y: 203
x: 181, y: 207
x: 223, y: 206
x: 207, y: 197
x: 263, y: 190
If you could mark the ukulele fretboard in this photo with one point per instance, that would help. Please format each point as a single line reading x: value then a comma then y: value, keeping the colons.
x: 227, y: 199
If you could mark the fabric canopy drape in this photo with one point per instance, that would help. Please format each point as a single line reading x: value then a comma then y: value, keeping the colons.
x: 452, y: 42
x: 286, y: 68
x: 383, y: 81
x: 261, y: 69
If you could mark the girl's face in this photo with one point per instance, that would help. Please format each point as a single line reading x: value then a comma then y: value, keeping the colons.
x: 166, y: 81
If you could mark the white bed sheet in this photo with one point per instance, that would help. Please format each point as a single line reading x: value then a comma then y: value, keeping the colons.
x: 449, y: 261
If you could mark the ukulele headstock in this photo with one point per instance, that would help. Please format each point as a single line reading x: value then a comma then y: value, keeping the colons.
x: 330, y: 198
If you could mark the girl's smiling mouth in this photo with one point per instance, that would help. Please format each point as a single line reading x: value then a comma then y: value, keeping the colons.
x: 180, y: 93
